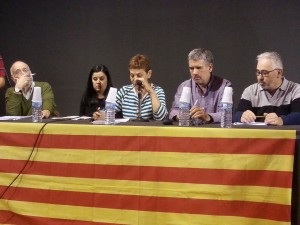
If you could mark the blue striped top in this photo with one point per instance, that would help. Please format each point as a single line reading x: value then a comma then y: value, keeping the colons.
x: 127, y: 102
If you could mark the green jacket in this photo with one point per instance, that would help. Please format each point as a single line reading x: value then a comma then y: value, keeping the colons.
x: 18, y: 105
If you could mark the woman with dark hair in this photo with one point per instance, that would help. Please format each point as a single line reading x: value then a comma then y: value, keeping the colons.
x: 93, y: 99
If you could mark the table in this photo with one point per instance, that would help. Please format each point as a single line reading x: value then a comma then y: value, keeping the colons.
x: 89, y: 174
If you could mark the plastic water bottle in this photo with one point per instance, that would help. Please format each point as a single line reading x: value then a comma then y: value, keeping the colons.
x: 36, y: 112
x: 184, y: 114
x: 110, y: 111
x: 226, y: 117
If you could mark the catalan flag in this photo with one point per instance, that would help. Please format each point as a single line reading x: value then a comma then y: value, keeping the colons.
x: 119, y: 175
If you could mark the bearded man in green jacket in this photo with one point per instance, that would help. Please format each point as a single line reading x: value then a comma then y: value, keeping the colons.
x: 18, y: 98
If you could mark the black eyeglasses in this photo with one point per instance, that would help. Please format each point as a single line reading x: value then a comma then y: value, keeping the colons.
x: 264, y: 73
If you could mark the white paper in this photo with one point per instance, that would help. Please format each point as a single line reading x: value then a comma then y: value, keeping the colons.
x: 13, y: 117
x: 99, y: 122
x: 65, y: 118
x: 251, y: 124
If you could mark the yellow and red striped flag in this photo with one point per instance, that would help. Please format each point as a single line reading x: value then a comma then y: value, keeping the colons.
x: 86, y: 174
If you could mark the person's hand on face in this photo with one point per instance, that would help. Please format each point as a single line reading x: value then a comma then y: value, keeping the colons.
x: 23, y: 81
x: 143, y: 76
x: 145, y: 84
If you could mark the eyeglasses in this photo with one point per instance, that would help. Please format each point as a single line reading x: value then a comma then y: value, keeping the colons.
x: 20, y: 71
x: 264, y: 73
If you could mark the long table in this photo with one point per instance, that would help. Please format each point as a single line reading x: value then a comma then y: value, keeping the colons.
x: 61, y: 173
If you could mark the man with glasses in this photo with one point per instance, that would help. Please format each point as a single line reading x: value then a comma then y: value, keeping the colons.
x: 273, y: 98
x: 18, y: 98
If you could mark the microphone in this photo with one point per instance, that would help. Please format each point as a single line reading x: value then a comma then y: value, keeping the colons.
x: 139, y: 83
x: 139, y: 118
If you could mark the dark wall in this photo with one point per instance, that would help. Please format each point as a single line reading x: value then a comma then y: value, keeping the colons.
x: 62, y: 40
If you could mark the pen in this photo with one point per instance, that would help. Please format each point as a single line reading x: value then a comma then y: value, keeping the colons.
x: 260, y: 116
x: 196, y: 102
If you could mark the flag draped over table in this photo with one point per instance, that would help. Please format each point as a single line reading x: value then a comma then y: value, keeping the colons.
x: 87, y: 174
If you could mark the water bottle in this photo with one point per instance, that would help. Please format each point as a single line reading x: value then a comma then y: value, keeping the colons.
x: 36, y: 112
x: 110, y: 118
x: 184, y: 114
x: 226, y: 116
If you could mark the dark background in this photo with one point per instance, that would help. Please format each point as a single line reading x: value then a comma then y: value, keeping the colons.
x: 62, y: 40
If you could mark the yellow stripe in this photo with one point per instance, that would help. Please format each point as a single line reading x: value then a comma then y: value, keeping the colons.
x: 119, y: 130
x: 158, y: 189
x: 161, y: 159
x: 130, y: 217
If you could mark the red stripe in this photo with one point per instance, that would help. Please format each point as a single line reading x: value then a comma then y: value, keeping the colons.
x: 13, y: 218
x: 159, y: 144
x: 269, y: 211
x: 148, y: 173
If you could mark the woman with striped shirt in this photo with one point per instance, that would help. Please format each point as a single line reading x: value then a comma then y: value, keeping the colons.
x: 152, y: 97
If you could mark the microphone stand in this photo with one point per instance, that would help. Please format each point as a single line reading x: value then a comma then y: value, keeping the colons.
x: 139, y: 117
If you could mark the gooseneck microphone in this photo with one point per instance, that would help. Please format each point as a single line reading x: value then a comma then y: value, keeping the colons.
x: 139, y: 118
x: 139, y: 83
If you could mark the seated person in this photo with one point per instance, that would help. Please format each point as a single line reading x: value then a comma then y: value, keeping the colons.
x: 153, y: 103
x: 273, y: 96
x: 2, y: 73
x: 206, y: 88
x: 18, y: 98
x: 97, y: 88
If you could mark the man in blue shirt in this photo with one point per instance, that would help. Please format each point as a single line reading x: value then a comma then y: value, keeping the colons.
x: 206, y: 88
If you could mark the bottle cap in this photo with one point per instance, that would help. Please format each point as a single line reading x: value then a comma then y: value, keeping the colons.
x: 185, y: 95
x: 112, y: 95
x: 227, y: 95
x: 37, y: 96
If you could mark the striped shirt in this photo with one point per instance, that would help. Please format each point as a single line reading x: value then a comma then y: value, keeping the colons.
x: 285, y: 102
x: 127, y: 102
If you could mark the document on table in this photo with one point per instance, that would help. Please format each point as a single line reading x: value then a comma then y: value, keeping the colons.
x: 251, y: 124
x: 3, y: 118
x: 71, y: 118
x: 123, y: 120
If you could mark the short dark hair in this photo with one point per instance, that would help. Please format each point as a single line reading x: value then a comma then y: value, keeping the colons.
x: 139, y: 62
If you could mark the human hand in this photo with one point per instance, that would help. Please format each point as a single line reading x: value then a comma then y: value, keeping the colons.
x: 45, y: 113
x: 23, y: 81
x: 145, y: 85
x: 198, y: 112
x: 99, y: 115
x: 273, y: 119
x: 248, y: 117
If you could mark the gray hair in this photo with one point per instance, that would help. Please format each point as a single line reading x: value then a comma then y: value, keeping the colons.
x: 274, y: 57
x: 201, y: 54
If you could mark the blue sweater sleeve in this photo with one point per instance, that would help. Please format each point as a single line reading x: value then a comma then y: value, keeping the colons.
x: 291, y: 119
